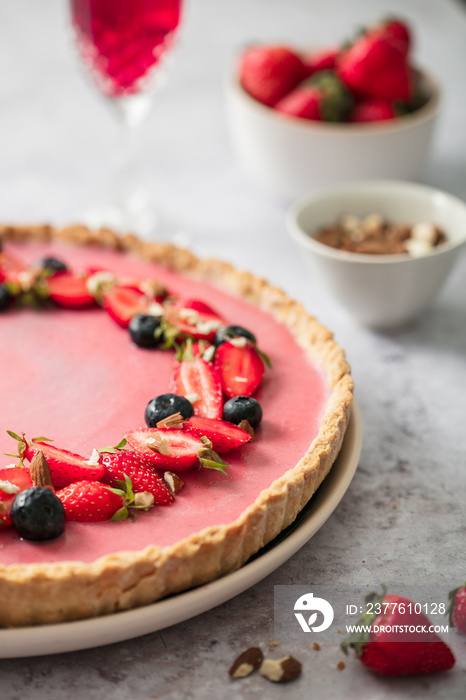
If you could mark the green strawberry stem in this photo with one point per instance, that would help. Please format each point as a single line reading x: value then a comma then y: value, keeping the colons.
x: 358, y: 640
x: 127, y: 493
x: 212, y: 464
x: 208, y: 459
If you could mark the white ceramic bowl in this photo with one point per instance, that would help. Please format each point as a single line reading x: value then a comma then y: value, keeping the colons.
x: 291, y: 157
x: 380, y: 291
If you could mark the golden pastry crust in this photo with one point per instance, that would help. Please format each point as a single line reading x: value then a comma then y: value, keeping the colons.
x: 48, y: 593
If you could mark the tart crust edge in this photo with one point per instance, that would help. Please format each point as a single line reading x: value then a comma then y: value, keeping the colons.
x: 49, y: 593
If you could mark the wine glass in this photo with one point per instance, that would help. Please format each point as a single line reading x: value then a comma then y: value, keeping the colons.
x: 126, y: 46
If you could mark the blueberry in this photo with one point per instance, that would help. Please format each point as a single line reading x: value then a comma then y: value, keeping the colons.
x: 243, y: 408
x: 51, y: 265
x: 5, y: 297
x: 166, y: 405
x: 38, y: 514
x: 224, y: 333
x: 143, y: 331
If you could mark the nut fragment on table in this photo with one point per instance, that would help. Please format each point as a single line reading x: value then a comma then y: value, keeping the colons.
x: 246, y: 663
x: 374, y: 235
x: 279, y: 670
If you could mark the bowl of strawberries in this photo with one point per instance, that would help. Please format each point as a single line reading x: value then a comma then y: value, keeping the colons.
x: 302, y: 120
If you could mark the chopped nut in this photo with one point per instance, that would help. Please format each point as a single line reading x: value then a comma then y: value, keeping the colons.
x: 316, y: 646
x: 94, y: 458
x: 373, y: 235
x: 424, y: 232
x: 144, y: 500
x: 340, y: 665
x: 239, y: 342
x: 209, y: 353
x: 246, y: 663
x: 40, y: 471
x: 153, y: 288
x: 155, y: 309
x: 417, y: 247
x: 349, y: 223
x: 173, y: 421
x: 174, y: 482
x: 372, y: 224
x: 158, y: 443
x: 9, y: 487
x: 279, y: 670
x: 247, y: 427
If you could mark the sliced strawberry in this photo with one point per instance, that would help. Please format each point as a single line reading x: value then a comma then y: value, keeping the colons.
x: 224, y: 436
x: 240, y: 368
x: 174, y: 449
x: 66, y: 467
x: 122, y: 303
x: 13, y: 480
x: 70, y: 291
x: 139, y: 469
x: 196, y: 305
x: 92, y: 501
x: 10, y: 268
x: 193, y: 322
x: 198, y: 380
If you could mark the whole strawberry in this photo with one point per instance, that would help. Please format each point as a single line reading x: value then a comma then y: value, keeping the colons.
x: 92, y: 502
x: 397, y: 31
x: 118, y: 462
x: 375, y: 66
x: 372, y: 109
x: 324, y: 59
x: 268, y: 73
x: 401, y: 644
x: 457, y: 608
x: 323, y: 97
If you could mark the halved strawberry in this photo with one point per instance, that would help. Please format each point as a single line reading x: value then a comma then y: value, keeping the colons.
x: 10, y: 268
x: 13, y: 480
x: 122, y: 303
x: 118, y: 462
x: 224, y: 436
x: 66, y: 467
x: 197, y: 379
x: 174, y: 449
x: 92, y: 501
x: 193, y: 318
x: 240, y: 367
x: 196, y: 305
x: 70, y: 291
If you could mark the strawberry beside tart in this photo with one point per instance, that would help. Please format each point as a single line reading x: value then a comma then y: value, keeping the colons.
x: 91, y: 346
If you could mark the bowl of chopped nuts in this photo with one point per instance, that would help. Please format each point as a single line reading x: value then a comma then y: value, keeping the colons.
x: 383, y: 249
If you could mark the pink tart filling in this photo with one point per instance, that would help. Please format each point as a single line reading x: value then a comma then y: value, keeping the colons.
x: 75, y: 377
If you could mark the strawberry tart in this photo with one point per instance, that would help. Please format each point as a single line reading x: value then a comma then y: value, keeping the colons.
x: 164, y: 418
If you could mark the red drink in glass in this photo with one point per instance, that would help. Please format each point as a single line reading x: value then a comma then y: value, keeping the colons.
x: 122, y: 41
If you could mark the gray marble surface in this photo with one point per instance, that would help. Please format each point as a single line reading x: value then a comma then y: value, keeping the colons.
x: 57, y: 142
